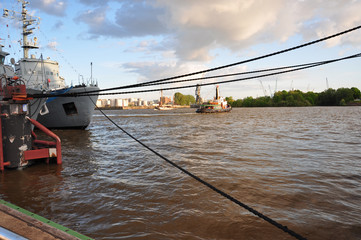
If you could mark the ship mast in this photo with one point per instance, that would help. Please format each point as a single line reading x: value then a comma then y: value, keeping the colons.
x: 198, y: 94
x: 27, y: 22
x: 217, y: 92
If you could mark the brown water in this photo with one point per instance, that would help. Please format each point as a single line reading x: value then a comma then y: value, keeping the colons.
x: 299, y: 166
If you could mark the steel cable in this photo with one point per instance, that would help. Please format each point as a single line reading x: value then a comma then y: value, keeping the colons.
x: 237, y: 63
x: 299, y: 67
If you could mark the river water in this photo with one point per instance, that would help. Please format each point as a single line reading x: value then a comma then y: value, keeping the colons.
x: 298, y: 166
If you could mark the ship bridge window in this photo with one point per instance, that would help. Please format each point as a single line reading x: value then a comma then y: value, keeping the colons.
x: 70, y: 108
x: 2, y: 59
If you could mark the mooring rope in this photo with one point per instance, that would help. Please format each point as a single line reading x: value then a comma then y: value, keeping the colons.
x: 216, y: 68
x: 286, y: 69
x: 215, y: 189
x: 299, y: 67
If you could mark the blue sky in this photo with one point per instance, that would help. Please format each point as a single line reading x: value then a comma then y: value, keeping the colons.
x: 132, y: 41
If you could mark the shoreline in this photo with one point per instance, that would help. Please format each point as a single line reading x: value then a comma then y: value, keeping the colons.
x: 137, y: 107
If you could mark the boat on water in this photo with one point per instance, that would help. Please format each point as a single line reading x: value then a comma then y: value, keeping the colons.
x: 164, y: 103
x: 164, y: 108
x: 7, y: 71
x: 217, y: 105
x: 70, y: 112
x: 58, y: 112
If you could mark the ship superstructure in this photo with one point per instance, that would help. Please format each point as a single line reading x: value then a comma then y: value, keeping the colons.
x: 43, y: 75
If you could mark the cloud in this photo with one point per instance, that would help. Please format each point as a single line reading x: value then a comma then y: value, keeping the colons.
x: 192, y: 29
x: 52, y: 7
x: 95, y: 2
x: 58, y: 25
x: 132, y: 19
x: 52, y: 45
x: 149, y: 71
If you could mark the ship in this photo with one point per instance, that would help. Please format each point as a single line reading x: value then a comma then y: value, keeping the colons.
x: 163, y: 103
x: 58, y: 112
x: 7, y: 71
x: 70, y: 112
x: 217, y: 105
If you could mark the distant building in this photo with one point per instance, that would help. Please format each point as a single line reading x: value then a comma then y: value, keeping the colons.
x: 165, y: 100
x: 119, y: 102
x: 99, y: 103
x: 140, y: 102
x: 115, y: 102
x: 104, y: 102
x: 122, y: 103
x: 111, y: 102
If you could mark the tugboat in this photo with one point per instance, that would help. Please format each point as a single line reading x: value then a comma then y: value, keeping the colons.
x: 217, y: 105
x: 59, y: 112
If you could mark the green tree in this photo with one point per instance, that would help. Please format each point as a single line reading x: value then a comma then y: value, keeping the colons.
x: 248, y: 102
x: 237, y: 103
x: 180, y: 99
x: 188, y: 99
x: 345, y: 94
x: 311, y: 98
x: 230, y: 100
x: 263, y: 102
x: 356, y: 93
x: 279, y: 98
x: 328, y: 98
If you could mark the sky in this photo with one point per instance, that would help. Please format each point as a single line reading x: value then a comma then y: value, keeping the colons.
x: 132, y: 41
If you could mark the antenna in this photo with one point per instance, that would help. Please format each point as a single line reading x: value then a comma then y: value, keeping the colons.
x: 264, y: 90
x: 27, y: 21
x: 327, y: 83
x: 91, y: 73
x: 270, y: 91
x: 276, y: 85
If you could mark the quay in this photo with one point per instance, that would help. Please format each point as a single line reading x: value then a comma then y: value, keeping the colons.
x: 18, y: 223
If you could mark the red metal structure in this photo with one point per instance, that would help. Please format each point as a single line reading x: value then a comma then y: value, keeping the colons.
x: 18, y: 144
x: 2, y: 163
x: 44, y: 149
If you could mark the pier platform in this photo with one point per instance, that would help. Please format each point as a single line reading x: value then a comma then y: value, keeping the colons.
x: 18, y: 223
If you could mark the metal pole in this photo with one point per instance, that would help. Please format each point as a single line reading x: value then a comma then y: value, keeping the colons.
x: 91, y: 73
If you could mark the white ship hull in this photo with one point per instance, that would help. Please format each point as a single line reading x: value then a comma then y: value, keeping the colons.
x: 70, y: 112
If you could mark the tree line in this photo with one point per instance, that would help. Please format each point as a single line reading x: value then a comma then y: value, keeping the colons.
x: 180, y: 99
x: 297, y: 98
